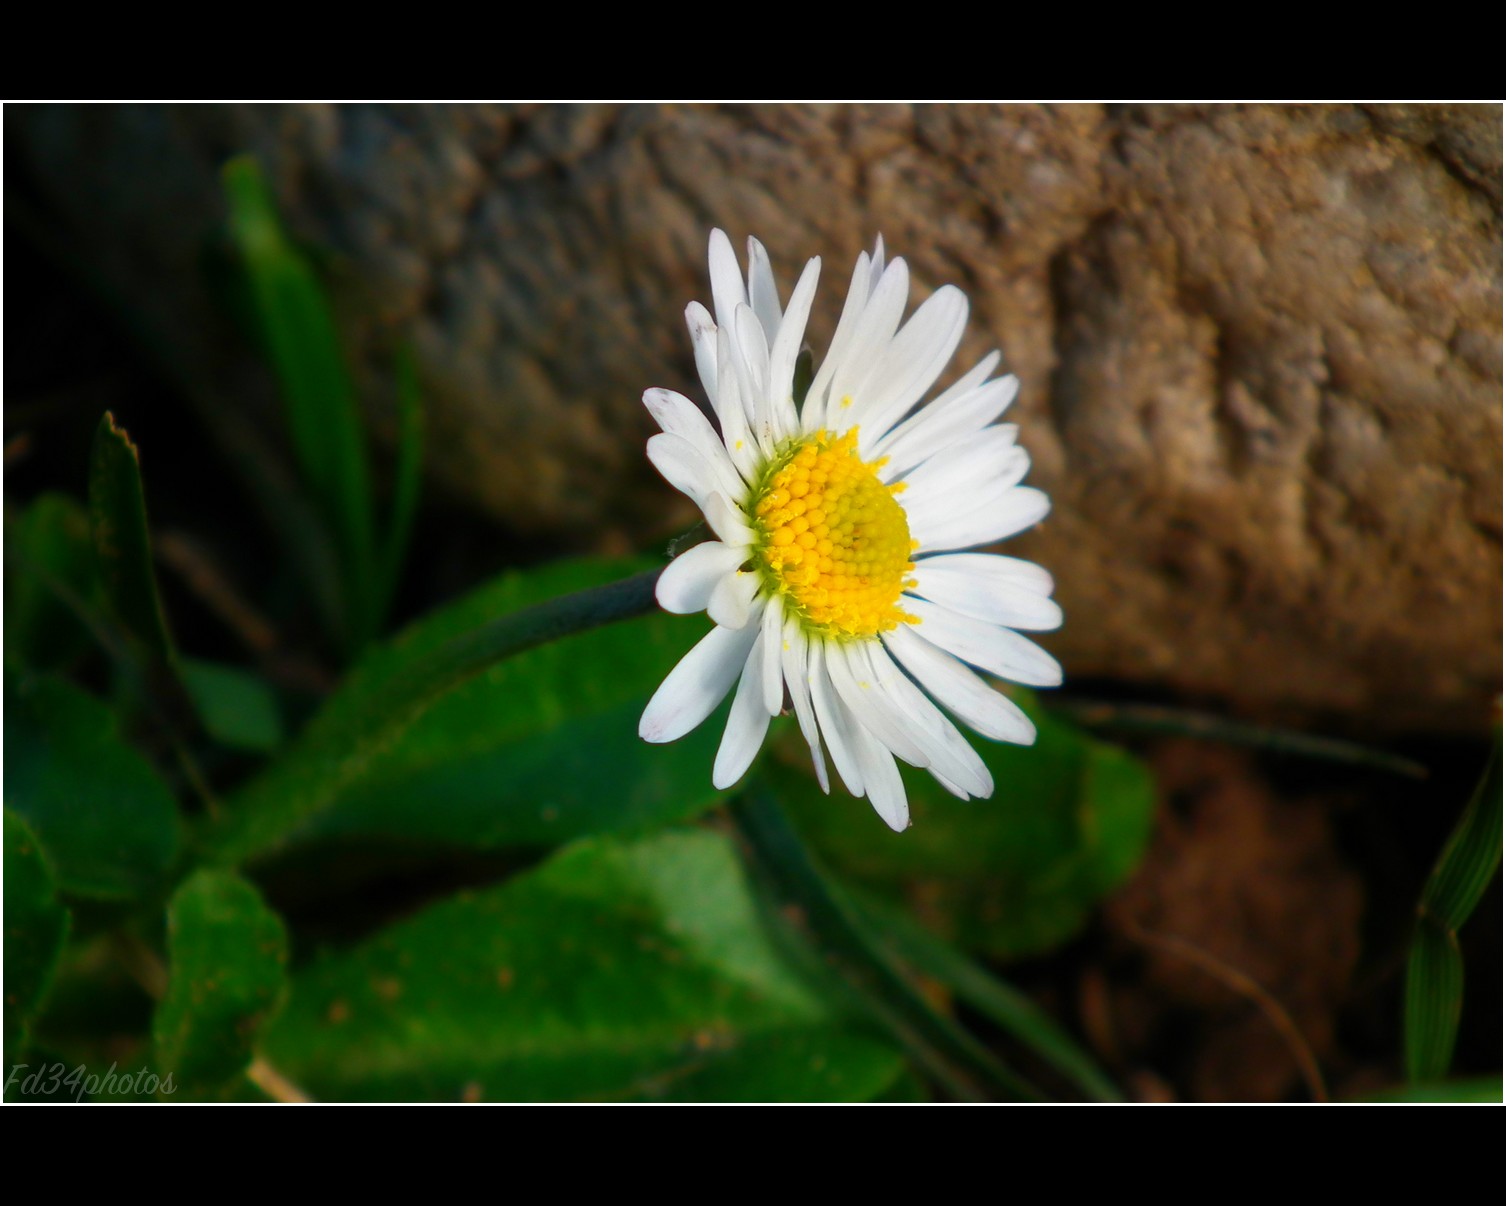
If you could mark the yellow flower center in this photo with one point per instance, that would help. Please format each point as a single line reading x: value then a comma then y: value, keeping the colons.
x: 831, y: 537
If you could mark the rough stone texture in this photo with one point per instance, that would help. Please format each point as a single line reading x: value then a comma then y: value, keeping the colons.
x: 1260, y: 349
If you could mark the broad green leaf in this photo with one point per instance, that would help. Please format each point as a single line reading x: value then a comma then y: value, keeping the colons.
x: 238, y: 709
x: 538, y: 750
x: 107, y: 822
x: 51, y: 554
x: 298, y: 329
x: 1005, y: 877
x: 36, y: 926
x: 227, y: 960
x: 117, y: 511
x: 616, y: 970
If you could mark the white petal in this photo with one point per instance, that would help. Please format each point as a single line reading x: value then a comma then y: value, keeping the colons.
x: 726, y: 521
x: 683, y: 467
x: 733, y: 416
x: 990, y: 597
x: 771, y: 678
x: 910, y: 366
x: 1022, y: 507
x: 960, y: 792
x: 833, y: 720
x: 762, y: 291
x: 934, y: 509
x: 886, y: 790
x: 795, y: 656
x: 727, y: 292
x: 998, y: 650
x: 746, y: 725
x: 679, y: 416
x: 752, y: 360
x: 939, y: 425
x: 995, y: 568
x: 850, y: 676
x: 965, y: 384
x: 732, y: 598
x: 686, y: 584
x: 989, y: 459
x: 703, y: 340
x: 813, y: 416
x: 786, y: 350
x: 876, y: 267
x: 697, y: 684
x: 949, y: 757
x: 869, y: 342
x: 959, y: 690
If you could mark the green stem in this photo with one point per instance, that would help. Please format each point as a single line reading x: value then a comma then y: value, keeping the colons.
x: 956, y: 1060
x: 339, y: 746
x: 1179, y: 722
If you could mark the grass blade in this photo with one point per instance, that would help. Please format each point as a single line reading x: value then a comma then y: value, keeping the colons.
x: 299, y: 332
x: 911, y: 944
x: 1154, y: 719
x: 1473, y: 854
x: 117, y: 514
x: 1481, y: 1090
x: 407, y: 476
x: 957, y: 1061
x: 1435, y: 968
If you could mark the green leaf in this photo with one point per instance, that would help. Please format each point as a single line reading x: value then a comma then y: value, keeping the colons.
x: 239, y: 710
x: 1472, y: 856
x: 617, y: 970
x: 36, y: 927
x: 1435, y: 967
x: 540, y: 749
x: 227, y: 959
x: 52, y: 555
x: 407, y: 475
x: 1005, y: 877
x: 1482, y: 1090
x: 821, y: 926
x: 107, y: 822
x: 909, y: 942
x: 299, y: 332
x: 1434, y: 1001
x: 117, y: 510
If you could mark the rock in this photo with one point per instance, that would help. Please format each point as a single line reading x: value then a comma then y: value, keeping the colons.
x: 1259, y: 347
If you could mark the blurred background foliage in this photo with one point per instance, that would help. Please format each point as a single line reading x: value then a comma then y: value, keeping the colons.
x: 231, y: 860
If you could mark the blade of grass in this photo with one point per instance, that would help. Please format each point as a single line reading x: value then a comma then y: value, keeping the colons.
x: 782, y: 863
x: 911, y: 944
x: 299, y: 526
x: 1180, y: 722
x: 407, y: 476
x: 1435, y: 967
x: 123, y: 550
x: 304, y: 345
x: 122, y: 545
x: 1472, y: 855
x: 1476, y: 1090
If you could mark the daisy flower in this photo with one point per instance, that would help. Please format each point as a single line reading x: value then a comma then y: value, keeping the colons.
x: 836, y: 580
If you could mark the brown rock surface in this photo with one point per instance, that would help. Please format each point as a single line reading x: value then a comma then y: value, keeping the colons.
x: 1260, y: 349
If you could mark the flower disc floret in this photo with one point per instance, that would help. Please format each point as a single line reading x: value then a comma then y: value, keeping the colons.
x: 832, y: 538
